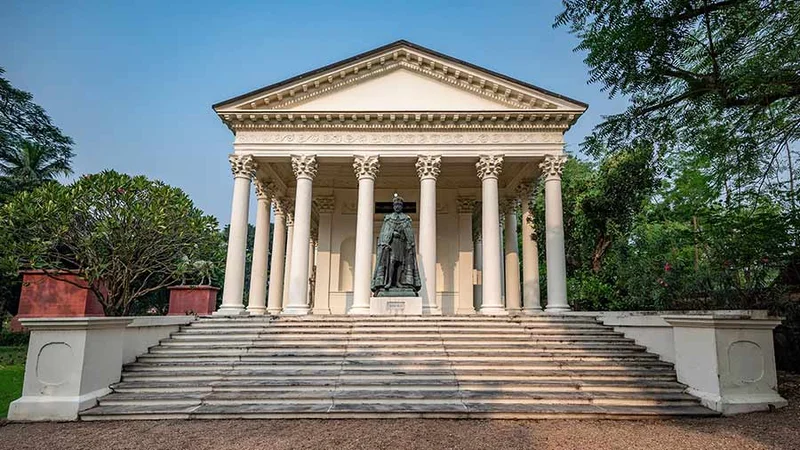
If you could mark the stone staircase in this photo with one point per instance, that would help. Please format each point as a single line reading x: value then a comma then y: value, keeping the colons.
x: 529, y: 367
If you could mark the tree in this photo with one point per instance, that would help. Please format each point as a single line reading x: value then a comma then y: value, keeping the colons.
x: 126, y: 236
x: 30, y: 165
x: 719, y: 78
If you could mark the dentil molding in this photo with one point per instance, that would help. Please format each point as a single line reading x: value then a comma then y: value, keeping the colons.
x: 395, y: 138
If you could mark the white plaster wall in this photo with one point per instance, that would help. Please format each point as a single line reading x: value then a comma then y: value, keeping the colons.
x: 146, y: 332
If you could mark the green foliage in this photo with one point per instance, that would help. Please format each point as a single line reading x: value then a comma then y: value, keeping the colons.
x: 714, y: 78
x: 125, y: 235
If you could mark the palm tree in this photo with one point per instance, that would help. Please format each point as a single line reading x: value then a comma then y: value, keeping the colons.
x: 29, y: 165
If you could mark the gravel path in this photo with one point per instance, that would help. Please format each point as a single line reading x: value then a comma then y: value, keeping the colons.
x: 779, y: 429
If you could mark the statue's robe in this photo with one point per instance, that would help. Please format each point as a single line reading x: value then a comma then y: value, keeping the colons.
x: 396, y: 247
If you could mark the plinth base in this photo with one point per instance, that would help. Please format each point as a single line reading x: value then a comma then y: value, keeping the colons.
x: 395, y: 306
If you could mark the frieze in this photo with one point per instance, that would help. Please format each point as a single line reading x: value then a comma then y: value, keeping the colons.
x: 407, y: 138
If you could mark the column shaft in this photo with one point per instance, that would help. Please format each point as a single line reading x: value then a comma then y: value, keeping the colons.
x: 323, y: 276
x: 465, y: 257
x: 366, y: 168
x: 275, y: 302
x: 530, y: 260
x: 554, y: 240
x: 287, y: 265
x: 305, y: 168
x: 312, y: 252
x: 489, y: 168
x: 428, y: 167
x: 243, y: 168
x: 513, y: 300
x: 257, y: 303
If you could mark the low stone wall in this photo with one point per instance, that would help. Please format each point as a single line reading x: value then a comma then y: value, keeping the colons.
x: 72, y: 361
x: 726, y: 358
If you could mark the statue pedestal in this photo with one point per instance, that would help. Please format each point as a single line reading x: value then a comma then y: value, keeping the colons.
x: 395, y: 306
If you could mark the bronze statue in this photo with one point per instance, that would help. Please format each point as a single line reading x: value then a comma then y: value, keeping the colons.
x: 396, y: 273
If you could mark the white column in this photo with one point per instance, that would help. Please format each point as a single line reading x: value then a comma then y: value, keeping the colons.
x: 305, y: 169
x: 531, y: 302
x: 428, y: 168
x: 275, y: 302
x: 312, y: 253
x: 554, y: 229
x: 513, y: 300
x: 257, y: 303
x: 287, y: 265
x: 478, y: 275
x: 243, y: 168
x: 366, y: 169
x: 322, y: 282
x: 489, y: 168
x: 465, y: 256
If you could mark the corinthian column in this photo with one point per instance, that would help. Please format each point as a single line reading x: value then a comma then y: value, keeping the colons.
x: 287, y: 264
x: 257, y: 303
x: 428, y: 168
x: 489, y: 168
x: 513, y: 300
x: 530, y: 254
x: 325, y: 206
x: 366, y: 169
x: 305, y: 169
x: 554, y: 229
x: 243, y: 168
x: 275, y: 302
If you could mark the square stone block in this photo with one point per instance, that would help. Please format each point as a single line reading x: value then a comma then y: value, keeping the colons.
x: 395, y: 306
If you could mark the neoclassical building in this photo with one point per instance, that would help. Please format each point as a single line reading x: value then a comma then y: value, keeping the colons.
x: 327, y: 150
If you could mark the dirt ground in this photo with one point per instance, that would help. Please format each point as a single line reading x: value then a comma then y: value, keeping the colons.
x: 777, y: 429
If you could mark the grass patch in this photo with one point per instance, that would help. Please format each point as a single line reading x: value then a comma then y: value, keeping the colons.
x: 12, y: 372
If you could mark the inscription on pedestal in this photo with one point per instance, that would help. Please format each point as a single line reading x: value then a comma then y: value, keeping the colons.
x: 395, y: 306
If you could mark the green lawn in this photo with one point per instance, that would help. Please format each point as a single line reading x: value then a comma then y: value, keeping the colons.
x: 12, y: 372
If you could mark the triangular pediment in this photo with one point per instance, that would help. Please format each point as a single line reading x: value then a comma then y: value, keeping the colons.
x: 400, y: 77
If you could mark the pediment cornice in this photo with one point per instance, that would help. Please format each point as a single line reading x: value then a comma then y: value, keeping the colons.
x: 402, y: 55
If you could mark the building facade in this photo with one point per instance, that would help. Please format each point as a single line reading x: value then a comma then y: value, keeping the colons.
x: 461, y: 144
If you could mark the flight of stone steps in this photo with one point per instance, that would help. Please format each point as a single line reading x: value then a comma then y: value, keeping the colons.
x: 548, y: 366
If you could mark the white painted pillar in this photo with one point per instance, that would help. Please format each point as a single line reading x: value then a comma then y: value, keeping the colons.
x: 552, y: 167
x: 531, y: 298
x: 322, y: 304
x: 428, y: 168
x: 305, y: 169
x: 366, y: 169
x: 287, y: 265
x: 257, y: 301
x: 513, y: 300
x: 275, y: 301
x: 489, y: 168
x: 478, y: 275
x: 465, y: 256
x: 243, y: 168
x: 312, y: 253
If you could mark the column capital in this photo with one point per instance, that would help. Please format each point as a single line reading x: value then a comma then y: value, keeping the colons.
x: 508, y: 204
x: 366, y: 166
x: 428, y: 166
x: 489, y: 166
x: 242, y: 166
x: 465, y: 205
x: 524, y: 190
x: 552, y: 166
x: 325, y: 204
x: 278, y: 205
x: 304, y: 166
x: 264, y: 189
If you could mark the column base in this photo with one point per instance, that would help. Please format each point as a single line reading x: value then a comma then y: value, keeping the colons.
x: 493, y: 311
x: 465, y: 312
x: 296, y: 311
x: 359, y: 310
x: 428, y: 311
x: 321, y: 312
x: 532, y: 311
x: 231, y: 311
x: 257, y: 311
x: 557, y: 309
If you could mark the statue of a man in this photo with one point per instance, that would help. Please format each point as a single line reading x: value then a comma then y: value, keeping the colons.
x: 396, y: 272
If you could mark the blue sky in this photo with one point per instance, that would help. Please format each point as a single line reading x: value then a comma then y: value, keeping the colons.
x: 133, y: 82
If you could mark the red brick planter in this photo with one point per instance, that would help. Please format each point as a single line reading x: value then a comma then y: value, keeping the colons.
x: 200, y: 300
x: 44, y: 296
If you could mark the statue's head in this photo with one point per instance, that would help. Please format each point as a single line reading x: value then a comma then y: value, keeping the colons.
x: 397, y: 203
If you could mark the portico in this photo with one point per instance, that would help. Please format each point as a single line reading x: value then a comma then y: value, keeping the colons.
x: 462, y: 145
